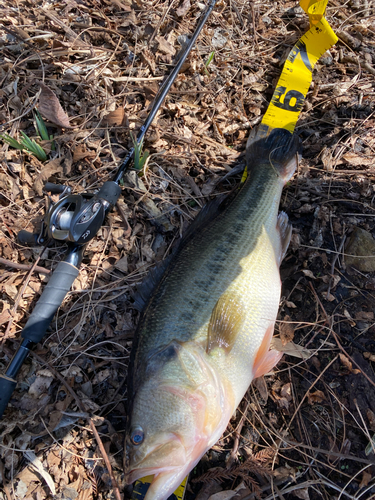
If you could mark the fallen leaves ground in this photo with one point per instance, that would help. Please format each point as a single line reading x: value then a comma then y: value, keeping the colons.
x: 92, y: 69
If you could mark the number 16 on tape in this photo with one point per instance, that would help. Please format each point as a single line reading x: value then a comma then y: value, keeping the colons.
x: 289, y: 96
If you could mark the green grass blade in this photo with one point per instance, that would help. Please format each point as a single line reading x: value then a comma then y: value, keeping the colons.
x: 12, y: 142
x: 143, y: 159
x: 210, y: 58
x: 41, y: 127
x: 34, y: 148
x: 139, y: 160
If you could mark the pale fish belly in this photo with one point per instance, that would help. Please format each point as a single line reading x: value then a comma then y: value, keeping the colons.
x: 257, y: 290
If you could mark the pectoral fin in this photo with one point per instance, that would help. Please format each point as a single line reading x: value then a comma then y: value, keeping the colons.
x: 284, y: 229
x: 225, y: 323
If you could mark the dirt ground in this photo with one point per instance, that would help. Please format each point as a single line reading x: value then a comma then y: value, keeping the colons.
x: 307, y: 430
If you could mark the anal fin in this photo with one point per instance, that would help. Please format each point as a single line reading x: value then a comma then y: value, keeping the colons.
x: 265, y: 359
x: 268, y: 362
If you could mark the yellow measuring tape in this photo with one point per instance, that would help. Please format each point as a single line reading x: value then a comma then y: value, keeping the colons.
x: 289, y: 96
x: 141, y: 486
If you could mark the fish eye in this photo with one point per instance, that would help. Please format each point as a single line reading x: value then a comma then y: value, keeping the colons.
x: 137, y: 436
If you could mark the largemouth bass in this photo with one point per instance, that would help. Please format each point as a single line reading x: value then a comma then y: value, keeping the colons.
x: 206, y: 329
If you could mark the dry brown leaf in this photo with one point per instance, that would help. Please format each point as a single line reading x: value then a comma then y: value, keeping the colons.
x: 371, y: 418
x: 286, y: 331
x: 40, y: 385
x: 348, y: 364
x: 291, y: 349
x: 36, y: 464
x: 10, y: 290
x: 183, y: 9
x: 261, y: 385
x: 355, y: 160
x: 302, y: 493
x: 5, y: 182
x: 114, y: 118
x: 282, y: 473
x: 328, y: 296
x: 122, y: 264
x: 121, y: 6
x: 50, y: 107
x: 5, y: 316
x: 240, y: 492
x: 364, y: 315
x: 290, y: 304
x: 58, y: 165
x: 315, y: 397
x: 86, y: 494
x: 366, y: 478
x: 286, y: 391
x: 164, y: 46
x: 80, y: 152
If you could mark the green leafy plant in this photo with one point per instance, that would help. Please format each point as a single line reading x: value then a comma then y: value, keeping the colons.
x: 139, y: 159
x: 29, y: 144
x: 26, y: 144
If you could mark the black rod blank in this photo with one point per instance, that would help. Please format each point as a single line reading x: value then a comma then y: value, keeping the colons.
x: 163, y: 91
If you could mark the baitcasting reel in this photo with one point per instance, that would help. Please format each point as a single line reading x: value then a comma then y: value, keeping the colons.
x: 74, y: 218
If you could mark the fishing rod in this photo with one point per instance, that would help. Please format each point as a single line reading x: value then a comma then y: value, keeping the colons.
x: 75, y: 219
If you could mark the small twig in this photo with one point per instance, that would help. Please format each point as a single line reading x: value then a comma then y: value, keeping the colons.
x: 334, y: 260
x: 341, y: 456
x: 311, y: 386
x: 279, y: 494
x: 127, y: 229
x: 329, y: 320
x: 254, y: 25
x: 237, y: 435
x: 24, y: 267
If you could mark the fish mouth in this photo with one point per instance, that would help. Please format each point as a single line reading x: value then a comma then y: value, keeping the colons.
x: 169, y: 456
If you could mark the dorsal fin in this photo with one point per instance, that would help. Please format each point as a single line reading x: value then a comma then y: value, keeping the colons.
x: 207, y: 214
x: 148, y: 285
x: 285, y: 232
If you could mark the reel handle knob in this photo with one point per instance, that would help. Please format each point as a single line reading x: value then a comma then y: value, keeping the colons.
x: 28, y: 239
x: 57, y: 188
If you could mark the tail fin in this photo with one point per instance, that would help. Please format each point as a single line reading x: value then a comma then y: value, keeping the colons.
x: 278, y: 146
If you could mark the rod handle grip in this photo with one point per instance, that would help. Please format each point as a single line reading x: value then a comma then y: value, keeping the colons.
x: 57, y: 287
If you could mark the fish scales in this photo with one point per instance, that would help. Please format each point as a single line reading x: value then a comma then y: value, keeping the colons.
x: 206, y: 330
x: 205, y: 267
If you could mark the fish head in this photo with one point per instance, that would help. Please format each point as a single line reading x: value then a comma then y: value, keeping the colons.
x: 166, y: 437
x: 174, y: 420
